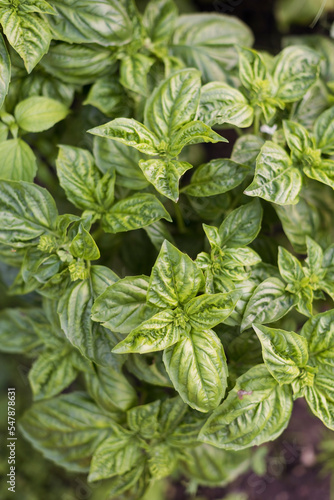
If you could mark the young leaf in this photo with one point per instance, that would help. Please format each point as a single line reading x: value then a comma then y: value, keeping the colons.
x: 242, y: 225
x: 252, y: 68
x: 319, y: 333
x: 5, y: 70
x: 135, y: 212
x: 155, y: 334
x: 297, y: 137
x: 165, y: 175
x: 208, y: 310
x: 216, y: 177
x: 109, y: 97
x: 284, y: 353
x: 122, y: 307
x: 173, y: 104
x: 269, y: 302
x: 144, y: 419
x: 296, y: 70
x: 115, y: 456
x: 27, y: 211
x: 18, y: 162
x: 83, y: 245
x: 39, y: 113
x: 289, y: 267
x: 130, y: 132
x: 27, y: 33
x: 276, y: 179
x: 67, y: 429
x: 105, y: 22
x: 324, y: 172
x: 319, y: 396
x: 159, y: 19
x: 197, y: 367
x: 192, y: 133
x: 134, y: 71
x: 315, y: 255
x: 220, y: 103
x: 205, y: 41
x: 257, y: 410
x: 324, y: 131
x: 175, y: 278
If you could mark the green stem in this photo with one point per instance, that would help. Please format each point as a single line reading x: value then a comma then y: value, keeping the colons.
x: 179, y: 219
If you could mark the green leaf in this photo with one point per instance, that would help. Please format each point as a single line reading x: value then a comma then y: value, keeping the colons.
x: 134, y: 71
x: 257, y: 410
x: 284, y: 353
x: 110, y: 388
x: 221, y: 103
x: 17, y: 334
x: 51, y: 373
x: 197, y: 367
x: 130, y: 132
x: 36, y: 114
x: 315, y: 255
x: 289, y: 267
x: 163, y: 460
x: 5, y: 70
x: 133, y: 481
x: 216, y: 177
x: 298, y: 138
x: 115, y: 156
x: 83, y: 245
x: 82, y: 181
x: 135, y: 212
x: 320, y: 396
x: 324, y: 131
x: 77, y: 64
x: 206, y: 42
x: 207, y: 311
x: 66, y: 429
x: 144, y: 419
x: 193, y: 132
x: 276, y: 179
x: 242, y: 225
x: 246, y: 149
x: 108, y: 96
x: 40, y: 6
x: 27, y: 211
x: 154, y: 334
x: 27, y: 33
x: 18, y: 161
x: 159, y: 19
x: 122, y: 307
x: 173, y: 104
x: 105, y: 22
x: 296, y: 70
x: 268, y: 303
x: 319, y: 333
x: 324, y: 172
x: 115, y: 456
x: 165, y: 175
x: 175, y: 278
x: 252, y: 68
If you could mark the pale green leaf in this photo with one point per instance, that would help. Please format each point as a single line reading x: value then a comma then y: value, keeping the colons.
x: 257, y: 410
x: 319, y: 333
x: 252, y: 68
x: 276, y: 179
x: 5, y: 70
x: 324, y: 172
x: 39, y: 113
x: 197, y: 367
x: 208, y: 310
x: 297, y: 137
x: 134, y: 71
x: 324, y: 131
x: 320, y: 397
x: 193, y: 132
x: 144, y: 419
x: 289, y: 267
x: 242, y: 225
x: 246, y: 149
x: 17, y: 161
x: 159, y: 19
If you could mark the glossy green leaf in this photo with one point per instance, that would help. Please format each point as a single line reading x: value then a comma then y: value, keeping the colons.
x: 27, y: 211
x: 83, y: 245
x: 193, y: 132
x: 324, y: 131
x: 175, y: 278
x: 242, y: 225
x: 51, y: 373
x: 269, y: 302
x: 257, y: 410
x: 252, y: 68
x: 122, y: 307
x: 206, y: 41
x: 284, y: 353
x: 36, y: 114
x: 17, y: 161
x: 246, y: 149
x: 144, y: 419
x: 297, y: 137
x: 296, y: 70
x: 324, y: 172
x: 154, y: 334
x: 115, y: 456
x: 105, y: 22
x: 135, y: 212
x: 207, y: 311
x: 159, y: 19
x: 276, y: 179
x: 40, y: 6
x: 5, y: 70
x: 134, y: 71
x: 27, y: 33
x: 289, y: 267
x: 320, y: 397
x: 173, y: 104
x: 66, y: 429
x: 165, y: 175
x: 197, y: 367
x: 220, y: 103
x: 319, y: 333
x: 130, y: 132
x: 108, y: 95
